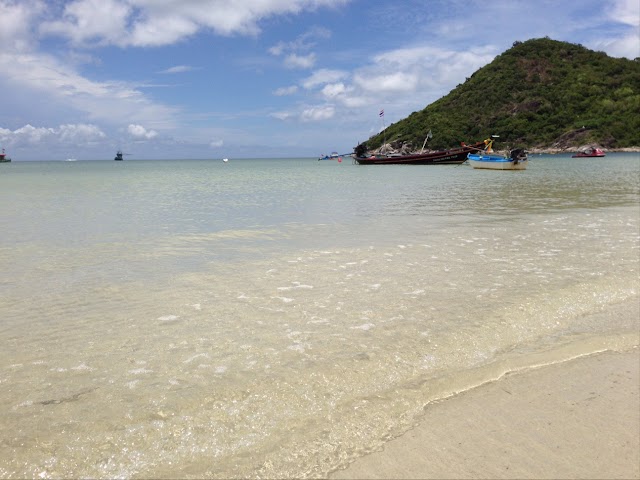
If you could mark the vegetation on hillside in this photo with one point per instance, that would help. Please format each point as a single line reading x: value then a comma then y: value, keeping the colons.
x: 538, y: 94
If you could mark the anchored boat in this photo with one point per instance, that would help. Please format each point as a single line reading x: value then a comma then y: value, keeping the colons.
x: 4, y: 158
x: 487, y: 159
x: 119, y: 156
x: 589, y: 152
x: 441, y: 157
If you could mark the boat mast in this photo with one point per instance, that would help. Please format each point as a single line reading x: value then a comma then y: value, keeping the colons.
x: 384, y: 131
x: 429, y: 135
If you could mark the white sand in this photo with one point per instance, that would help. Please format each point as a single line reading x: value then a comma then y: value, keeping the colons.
x: 578, y: 419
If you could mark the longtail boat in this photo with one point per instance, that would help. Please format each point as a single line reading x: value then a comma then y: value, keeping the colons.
x: 453, y: 156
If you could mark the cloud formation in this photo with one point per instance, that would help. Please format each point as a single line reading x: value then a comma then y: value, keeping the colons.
x: 177, y: 69
x: 138, y: 132
x: 283, y: 91
x: 323, y: 112
x: 300, y: 61
x: 152, y: 23
x: 16, y: 22
x: 70, y: 134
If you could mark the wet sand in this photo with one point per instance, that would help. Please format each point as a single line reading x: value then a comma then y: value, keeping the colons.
x: 578, y: 419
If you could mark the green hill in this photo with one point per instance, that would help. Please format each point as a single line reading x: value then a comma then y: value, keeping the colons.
x: 538, y: 94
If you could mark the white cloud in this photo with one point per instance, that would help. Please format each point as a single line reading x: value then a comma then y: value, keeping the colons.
x: 69, y: 134
x: 177, y: 69
x: 163, y: 22
x: 91, y: 21
x: 277, y: 49
x: 627, y: 12
x: 107, y: 102
x: 80, y: 133
x: 387, y: 82
x: 628, y: 46
x: 318, y: 113
x: 281, y: 115
x: 322, y: 77
x: 300, y: 61
x: 283, y: 91
x: 216, y: 143
x: 16, y: 20
x: 354, y: 101
x: 304, y: 42
x: 334, y: 89
x: 294, y: 58
x: 408, y: 78
x: 138, y: 132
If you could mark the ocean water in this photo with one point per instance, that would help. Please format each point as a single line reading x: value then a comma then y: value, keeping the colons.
x: 277, y: 318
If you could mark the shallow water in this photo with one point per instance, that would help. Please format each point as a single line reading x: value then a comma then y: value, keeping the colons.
x: 277, y: 318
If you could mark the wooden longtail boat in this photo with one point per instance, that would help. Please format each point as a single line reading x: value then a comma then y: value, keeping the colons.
x: 454, y: 156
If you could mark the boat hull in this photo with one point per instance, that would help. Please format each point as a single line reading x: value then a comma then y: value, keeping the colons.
x: 491, y: 162
x: 454, y: 156
x: 590, y: 153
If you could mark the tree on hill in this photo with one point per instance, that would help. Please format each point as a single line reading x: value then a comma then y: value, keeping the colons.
x: 538, y: 94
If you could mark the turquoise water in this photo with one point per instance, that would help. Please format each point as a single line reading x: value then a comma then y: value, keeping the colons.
x: 280, y: 317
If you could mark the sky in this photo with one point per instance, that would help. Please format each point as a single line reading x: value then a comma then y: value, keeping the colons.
x: 178, y: 79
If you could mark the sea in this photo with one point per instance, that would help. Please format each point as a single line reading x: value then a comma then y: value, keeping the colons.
x: 278, y: 318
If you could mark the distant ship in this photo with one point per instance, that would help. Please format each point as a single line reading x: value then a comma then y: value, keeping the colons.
x: 3, y: 157
x: 119, y: 155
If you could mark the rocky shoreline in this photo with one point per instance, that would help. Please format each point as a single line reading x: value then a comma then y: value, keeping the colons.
x: 388, y: 149
x: 554, y: 151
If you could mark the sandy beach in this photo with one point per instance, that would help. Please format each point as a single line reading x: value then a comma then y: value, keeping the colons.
x: 578, y: 419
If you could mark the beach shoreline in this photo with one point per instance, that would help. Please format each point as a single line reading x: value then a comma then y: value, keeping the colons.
x: 557, y: 151
x: 575, y: 419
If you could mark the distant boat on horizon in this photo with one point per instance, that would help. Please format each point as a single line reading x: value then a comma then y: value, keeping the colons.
x: 119, y: 155
x: 332, y: 156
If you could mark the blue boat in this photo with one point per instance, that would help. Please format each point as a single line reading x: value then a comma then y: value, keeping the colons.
x: 487, y: 159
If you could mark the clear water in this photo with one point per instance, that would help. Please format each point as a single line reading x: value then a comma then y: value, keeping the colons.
x: 278, y: 318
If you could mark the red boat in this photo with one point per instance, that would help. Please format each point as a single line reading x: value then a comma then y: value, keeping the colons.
x: 3, y: 157
x: 589, y: 152
x: 456, y: 155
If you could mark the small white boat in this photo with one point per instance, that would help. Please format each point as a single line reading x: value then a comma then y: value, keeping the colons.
x: 225, y: 160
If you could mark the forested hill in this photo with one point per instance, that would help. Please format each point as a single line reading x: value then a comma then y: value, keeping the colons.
x: 540, y: 93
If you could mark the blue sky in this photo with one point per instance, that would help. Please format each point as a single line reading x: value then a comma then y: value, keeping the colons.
x: 256, y: 78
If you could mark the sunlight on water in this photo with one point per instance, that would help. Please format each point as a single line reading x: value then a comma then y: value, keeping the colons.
x: 279, y: 318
